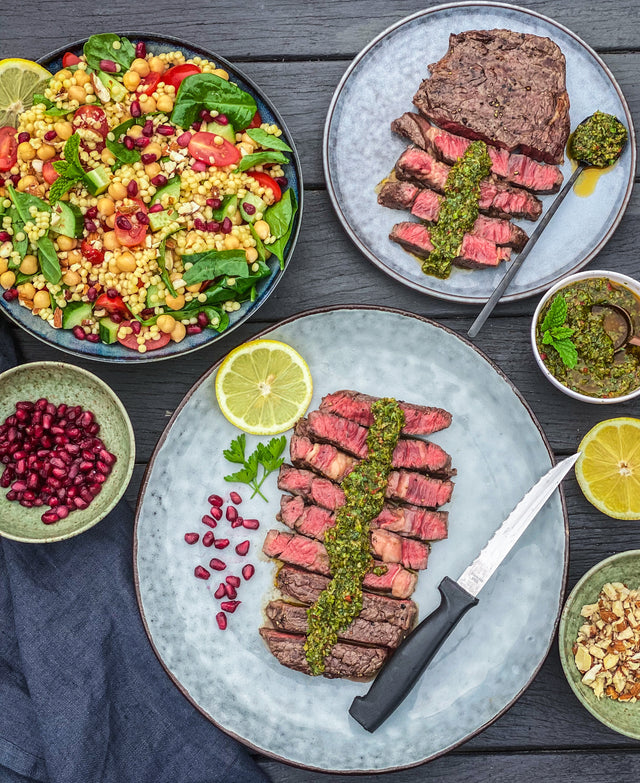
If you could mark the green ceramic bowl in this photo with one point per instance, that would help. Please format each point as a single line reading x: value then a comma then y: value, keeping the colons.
x: 60, y: 382
x: 623, y: 717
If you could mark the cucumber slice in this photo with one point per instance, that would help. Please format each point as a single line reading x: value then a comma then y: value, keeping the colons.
x: 226, y: 131
x: 108, y: 330
x: 67, y: 220
x: 75, y: 313
x: 97, y: 180
x: 171, y: 189
x: 255, y: 201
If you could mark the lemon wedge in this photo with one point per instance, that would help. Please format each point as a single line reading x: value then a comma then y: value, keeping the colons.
x: 19, y: 80
x: 263, y: 387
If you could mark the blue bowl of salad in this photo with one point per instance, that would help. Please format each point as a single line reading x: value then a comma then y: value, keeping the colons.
x: 153, y: 202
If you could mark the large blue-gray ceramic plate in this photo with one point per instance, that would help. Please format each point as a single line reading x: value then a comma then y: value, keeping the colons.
x: 64, y: 339
x: 360, y: 149
x: 495, y: 651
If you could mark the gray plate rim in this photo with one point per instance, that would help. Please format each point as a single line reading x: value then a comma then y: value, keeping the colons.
x: 145, y: 480
x: 424, y: 289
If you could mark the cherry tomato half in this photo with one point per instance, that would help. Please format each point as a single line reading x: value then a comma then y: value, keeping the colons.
x: 202, y: 147
x: 93, y: 118
x: 175, y: 75
x: 69, y: 58
x: 137, y: 231
x: 256, y: 122
x: 267, y: 182
x: 8, y: 148
x: 149, y: 83
x: 112, y: 305
x: 130, y: 340
x: 49, y: 174
x: 94, y: 255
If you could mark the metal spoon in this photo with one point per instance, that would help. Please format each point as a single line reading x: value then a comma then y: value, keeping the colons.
x: 517, y: 263
x: 618, y: 324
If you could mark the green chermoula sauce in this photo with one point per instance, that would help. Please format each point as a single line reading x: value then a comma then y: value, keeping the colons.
x: 599, y: 141
x: 459, y: 209
x: 347, y: 542
x: 601, y: 371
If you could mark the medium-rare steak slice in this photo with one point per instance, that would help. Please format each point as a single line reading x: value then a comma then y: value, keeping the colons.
x: 417, y: 489
x: 344, y: 660
x: 387, y: 546
x: 512, y: 167
x: 352, y: 437
x: 310, y: 486
x: 292, y: 618
x: 413, y: 521
x: 496, y: 198
x: 474, y: 253
x: 501, y: 86
x: 419, y: 419
x: 426, y: 206
x: 312, y: 555
x: 305, y: 587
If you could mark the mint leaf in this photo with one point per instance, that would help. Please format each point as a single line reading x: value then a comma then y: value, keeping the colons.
x: 567, y: 351
x: 547, y: 338
x: 562, y: 332
x: 61, y: 186
x: 556, y: 314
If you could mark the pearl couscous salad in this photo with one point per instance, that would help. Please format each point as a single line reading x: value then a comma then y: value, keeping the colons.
x: 141, y: 197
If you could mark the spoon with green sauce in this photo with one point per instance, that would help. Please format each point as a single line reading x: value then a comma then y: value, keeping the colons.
x: 597, y: 142
x: 618, y: 324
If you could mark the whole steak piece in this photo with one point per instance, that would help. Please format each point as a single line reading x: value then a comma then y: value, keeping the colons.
x: 503, y: 87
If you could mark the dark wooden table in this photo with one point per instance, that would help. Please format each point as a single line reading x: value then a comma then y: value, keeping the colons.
x: 297, y: 51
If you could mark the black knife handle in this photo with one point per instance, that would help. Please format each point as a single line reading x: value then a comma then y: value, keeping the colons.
x: 412, y: 657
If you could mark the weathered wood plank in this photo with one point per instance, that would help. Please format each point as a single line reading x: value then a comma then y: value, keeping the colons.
x: 287, y: 28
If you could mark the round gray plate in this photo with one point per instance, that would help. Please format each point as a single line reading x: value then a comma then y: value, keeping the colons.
x: 360, y: 150
x: 492, y: 655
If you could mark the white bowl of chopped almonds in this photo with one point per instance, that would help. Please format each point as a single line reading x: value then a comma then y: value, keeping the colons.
x: 599, y: 640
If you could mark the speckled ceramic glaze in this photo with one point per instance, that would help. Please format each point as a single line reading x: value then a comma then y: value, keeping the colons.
x: 360, y: 150
x: 623, y: 567
x: 63, y: 338
x: 493, y: 653
x: 60, y: 382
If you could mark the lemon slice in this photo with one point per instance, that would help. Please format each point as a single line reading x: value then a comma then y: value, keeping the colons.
x: 264, y: 387
x: 608, y: 470
x: 19, y: 80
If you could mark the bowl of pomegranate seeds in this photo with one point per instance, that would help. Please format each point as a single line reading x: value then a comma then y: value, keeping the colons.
x: 67, y: 451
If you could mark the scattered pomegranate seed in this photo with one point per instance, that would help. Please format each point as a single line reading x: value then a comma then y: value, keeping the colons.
x: 221, y: 591
x: 222, y: 119
x: 243, y: 548
x: 234, y: 581
x: 217, y: 565
x: 221, y: 619
x: 207, y: 520
x: 215, y: 500
x: 248, y: 571
x: 216, y: 512
x: 50, y: 135
x: 191, y: 538
x: 235, y: 498
x: 221, y: 543
x: 251, y: 524
x: 201, y: 573
x: 230, y: 590
x: 230, y: 606
x: 237, y: 522
x: 231, y: 514
x: 208, y: 539
x: 198, y: 165
x: 129, y: 142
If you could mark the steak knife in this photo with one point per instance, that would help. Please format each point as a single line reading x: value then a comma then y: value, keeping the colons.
x: 396, y: 679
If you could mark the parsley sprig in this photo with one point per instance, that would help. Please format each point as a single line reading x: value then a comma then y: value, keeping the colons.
x: 268, y: 457
x: 69, y: 170
x: 557, y: 335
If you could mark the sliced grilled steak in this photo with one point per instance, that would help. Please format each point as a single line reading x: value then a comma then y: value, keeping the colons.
x: 322, y: 457
x: 426, y: 206
x: 504, y: 87
x: 387, y: 546
x: 417, y: 489
x: 310, y: 486
x: 496, y: 198
x: 310, y: 554
x: 305, y: 587
x: 419, y: 419
x: 474, y: 253
x: 293, y: 619
x: 344, y: 660
x: 413, y: 521
x: 352, y: 437
x: 516, y: 169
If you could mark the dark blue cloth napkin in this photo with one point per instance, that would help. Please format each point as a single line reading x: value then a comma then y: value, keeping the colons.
x: 83, y: 699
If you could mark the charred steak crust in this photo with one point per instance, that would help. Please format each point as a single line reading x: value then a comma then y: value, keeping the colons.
x: 504, y: 87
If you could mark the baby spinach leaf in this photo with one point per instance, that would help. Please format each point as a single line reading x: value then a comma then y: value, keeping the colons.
x: 213, y: 264
x: 23, y: 203
x: 267, y: 140
x: 117, y: 149
x: 49, y: 264
x: 280, y: 218
x: 20, y: 246
x: 50, y: 108
x: 100, y: 47
x: 208, y: 91
x: 259, y: 158
x: 262, y: 253
x: 162, y: 265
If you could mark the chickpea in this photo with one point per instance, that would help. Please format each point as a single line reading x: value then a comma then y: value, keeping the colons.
x: 195, y: 288
x: 26, y: 291
x: 140, y: 66
x: 46, y: 152
x: 131, y: 80
x: 221, y: 73
x: 26, y: 182
x: 152, y: 169
x: 113, y: 266
x: 63, y: 129
x: 82, y: 78
x: 262, y: 229
x: 165, y: 104
x: 166, y: 323
x: 156, y: 64
x: 73, y: 257
x: 178, y: 332
x: 153, y: 149
x: 106, y: 156
x: 174, y: 302
x: 231, y: 242
x: 4, y: 265
x: 110, y: 241
x: 41, y: 300
x: 63, y: 74
x: 71, y: 278
x: 110, y: 221
x: 126, y: 262
x: 148, y: 103
x: 251, y: 254
x: 106, y: 206
x: 7, y: 279
x: 26, y: 151
x: 77, y: 93
x: 117, y: 191
x: 66, y: 243
x: 29, y: 265
x: 135, y: 131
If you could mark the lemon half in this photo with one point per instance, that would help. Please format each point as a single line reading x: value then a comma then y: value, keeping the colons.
x: 608, y: 470
x: 263, y: 387
x: 19, y: 80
